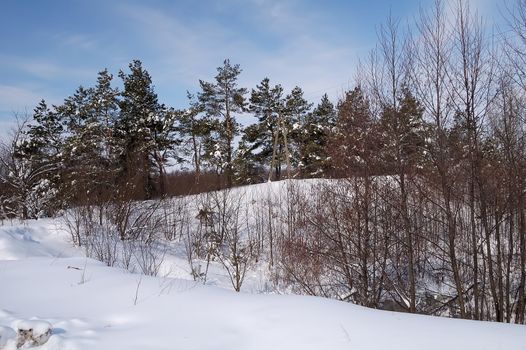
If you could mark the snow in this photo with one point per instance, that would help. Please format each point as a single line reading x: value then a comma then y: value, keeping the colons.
x: 38, y: 327
x: 41, y: 238
x: 45, y: 282
x: 7, y: 337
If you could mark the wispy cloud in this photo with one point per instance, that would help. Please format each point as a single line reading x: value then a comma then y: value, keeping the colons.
x: 184, y: 48
x: 36, y: 67
x: 15, y: 101
x: 16, y: 98
x: 76, y: 41
x: 300, y: 54
x: 35, y: 79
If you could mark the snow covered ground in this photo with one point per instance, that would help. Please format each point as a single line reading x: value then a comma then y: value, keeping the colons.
x: 92, y: 306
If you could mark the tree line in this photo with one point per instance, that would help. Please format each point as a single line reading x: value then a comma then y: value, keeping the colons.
x: 104, y: 142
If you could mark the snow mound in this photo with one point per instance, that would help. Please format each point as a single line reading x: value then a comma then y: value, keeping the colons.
x: 7, y: 337
x: 42, y: 238
x: 37, y: 327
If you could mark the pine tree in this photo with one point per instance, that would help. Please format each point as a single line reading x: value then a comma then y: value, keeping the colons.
x: 261, y: 139
x: 35, y: 167
x: 143, y: 129
x: 193, y: 128
x: 220, y: 102
x: 44, y: 136
x: 354, y: 143
x: 80, y: 153
x: 403, y: 134
x: 105, y: 100
x: 296, y: 111
x: 89, y: 148
x: 315, y: 161
x: 247, y: 170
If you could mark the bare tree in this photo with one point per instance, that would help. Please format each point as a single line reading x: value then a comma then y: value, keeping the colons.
x: 433, y: 89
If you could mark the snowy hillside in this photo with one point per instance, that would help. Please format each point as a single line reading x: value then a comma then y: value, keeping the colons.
x: 92, y: 306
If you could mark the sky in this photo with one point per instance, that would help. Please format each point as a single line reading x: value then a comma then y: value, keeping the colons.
x: 49, y: 48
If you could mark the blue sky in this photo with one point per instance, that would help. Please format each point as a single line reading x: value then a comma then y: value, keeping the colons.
x: 49, y: 48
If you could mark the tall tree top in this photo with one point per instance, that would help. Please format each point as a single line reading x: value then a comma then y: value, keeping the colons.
x: 139, y: 97
x: 297, y: 106
x: 223, y: 97
x: 266, y: 101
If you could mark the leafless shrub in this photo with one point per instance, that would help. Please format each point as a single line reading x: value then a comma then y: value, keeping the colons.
x: 149, y: 256
x: 100, y: 243
x: 74, y: 220
x: 127, y: 260
x: 223, y: 234
x: 124, y: 233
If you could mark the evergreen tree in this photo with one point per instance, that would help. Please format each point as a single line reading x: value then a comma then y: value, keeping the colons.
x: 247, y: 170
x: 80, y: 153
x: 261, y: 139
x: 104, y: 103
x: 296, y: 111
x: 36, y: 164
x: 220, y: 102
x: 143, y: 128
x: 315, y: 161
x: 165, y: 142
x: 105, y: 100
x: 403, y: 134
x: 43, y: 141
x: 90, y: 149
x: 355, y: 142
x: 193, y: 128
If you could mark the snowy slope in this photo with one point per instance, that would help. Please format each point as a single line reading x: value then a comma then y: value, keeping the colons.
x: 91, y: 306
x: 42, y: 238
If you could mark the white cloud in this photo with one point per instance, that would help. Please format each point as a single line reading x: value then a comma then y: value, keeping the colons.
x: 16, y: 99
x: 15, y: 102
x: 50, y: 70
x: 77, y: 41
x: 18, y: 102
x: 303, y: 53
x: 41, y: 68
x: 184, y: 50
